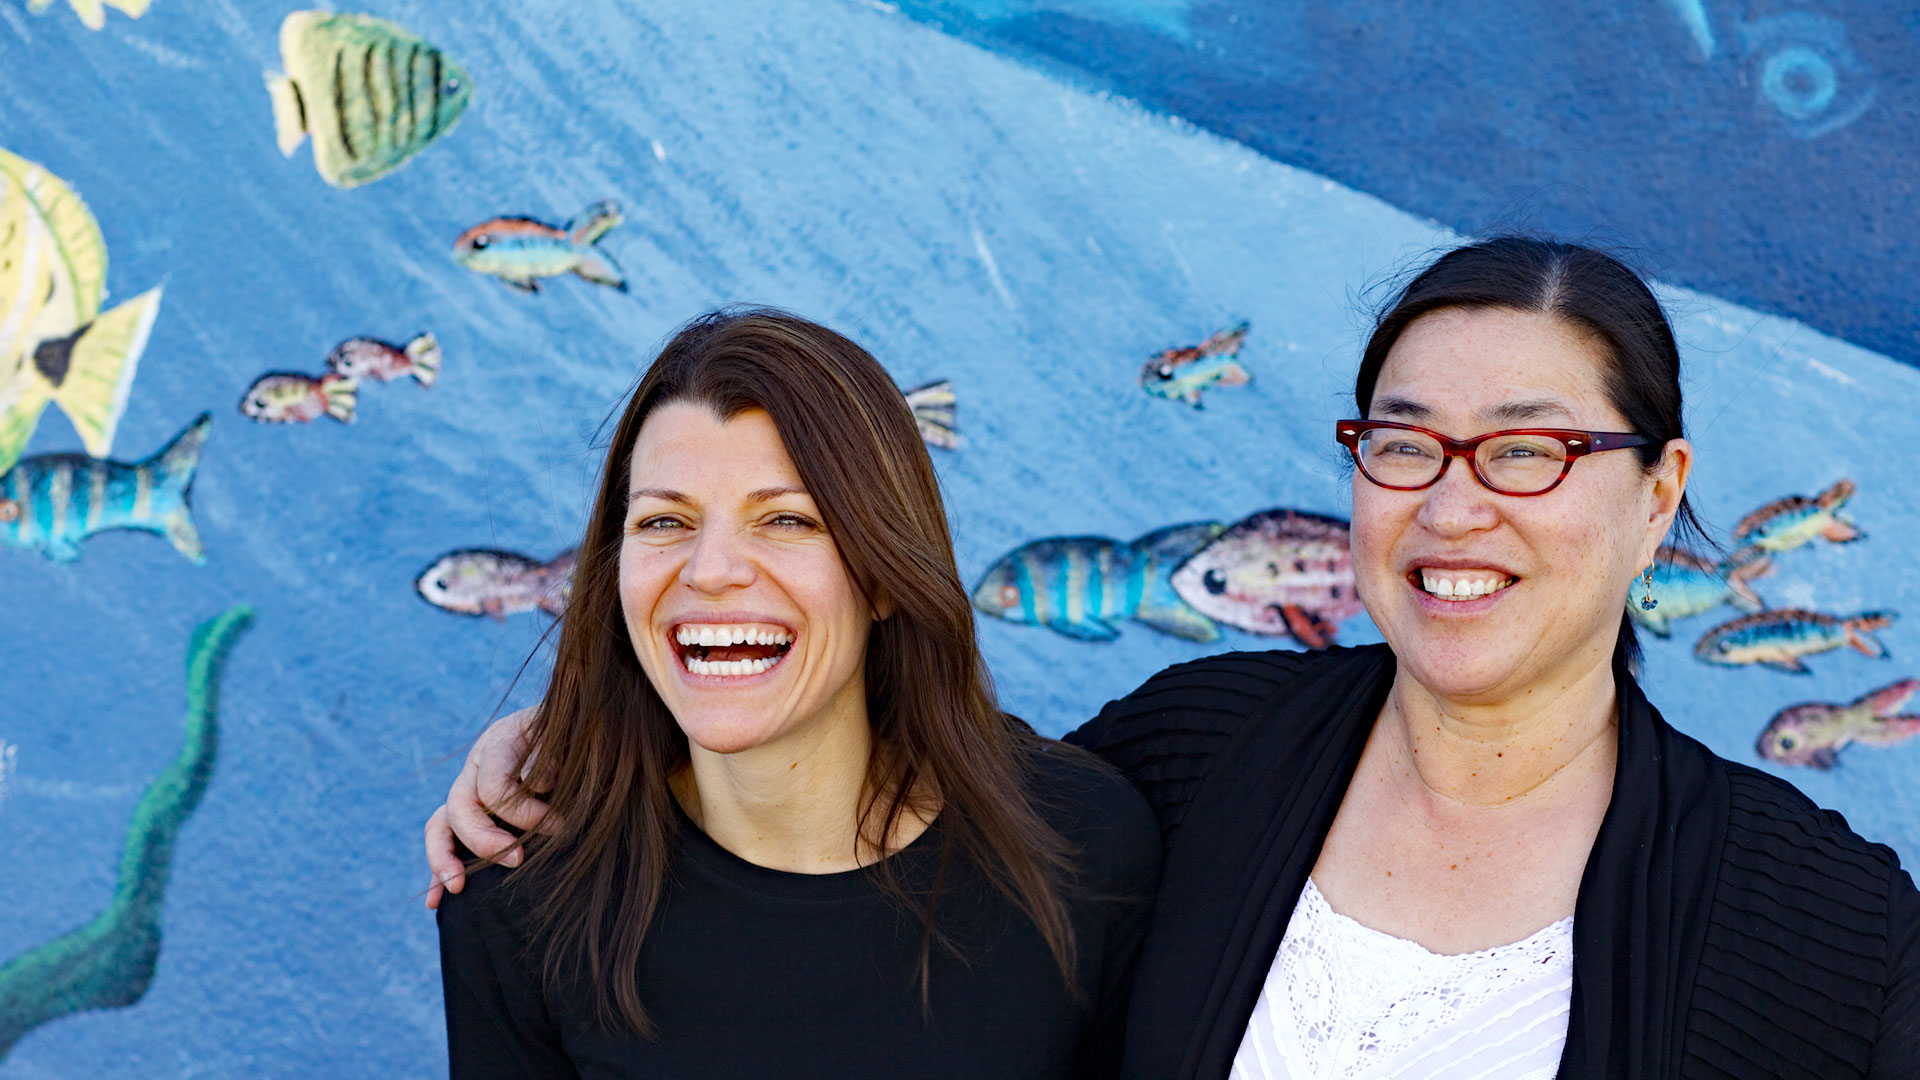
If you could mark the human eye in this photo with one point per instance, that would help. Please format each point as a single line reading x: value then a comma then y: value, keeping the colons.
x: 792, y: 520
x: 1404, y: 447
x: 656, y: 525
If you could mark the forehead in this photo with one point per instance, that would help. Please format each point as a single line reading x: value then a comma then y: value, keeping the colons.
x: 686, y: 440
x: 1494, y: 363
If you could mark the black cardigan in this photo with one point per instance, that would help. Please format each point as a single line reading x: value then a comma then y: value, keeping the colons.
x: 1726, y: 926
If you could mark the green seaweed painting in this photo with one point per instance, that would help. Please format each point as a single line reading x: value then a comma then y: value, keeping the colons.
x: 108, y: 962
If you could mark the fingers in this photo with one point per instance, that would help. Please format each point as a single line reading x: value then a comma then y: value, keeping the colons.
x: 467, y: 817
x: 448, y: 873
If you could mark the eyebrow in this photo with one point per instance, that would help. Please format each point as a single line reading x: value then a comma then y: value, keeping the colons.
x: 683, y: 499
x: 1510, y: 412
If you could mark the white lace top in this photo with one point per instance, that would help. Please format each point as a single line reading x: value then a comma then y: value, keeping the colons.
x: 1344, y: 1001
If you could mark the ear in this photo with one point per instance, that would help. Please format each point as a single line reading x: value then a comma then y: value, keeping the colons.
x: 1669, y: 486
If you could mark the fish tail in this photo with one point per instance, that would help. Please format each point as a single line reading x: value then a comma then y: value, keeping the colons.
x: 96, y: 373
x: 1889, y: 699
x: 1859, y: 632
x: 1226, y: 341
x: 132, y: 9
x: 424, y: 351
x: 598, y: 267
x: 1740, y: 582
x: 342, y: 394
x: 1837, y: 495
x: 594, y: 222
x: 173, y: 467
x: 289, y: 112
x: 933, y: 413
x: 1234, y: 375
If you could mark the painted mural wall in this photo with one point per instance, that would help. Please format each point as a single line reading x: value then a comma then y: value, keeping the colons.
x: 300, y: 376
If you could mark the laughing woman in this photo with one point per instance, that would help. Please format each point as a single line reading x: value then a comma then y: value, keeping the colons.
x: 789, y: 832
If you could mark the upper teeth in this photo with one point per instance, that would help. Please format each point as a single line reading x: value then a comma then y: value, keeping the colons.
x: 1462, y: 586
x: 718, y: 636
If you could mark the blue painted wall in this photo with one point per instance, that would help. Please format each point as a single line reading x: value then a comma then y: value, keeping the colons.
x: 987, y: 215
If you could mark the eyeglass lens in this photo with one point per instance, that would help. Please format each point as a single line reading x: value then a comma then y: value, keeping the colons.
x: 1520, y: 464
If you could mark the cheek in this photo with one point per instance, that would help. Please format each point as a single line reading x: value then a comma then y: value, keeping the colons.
x: 1377, y: 523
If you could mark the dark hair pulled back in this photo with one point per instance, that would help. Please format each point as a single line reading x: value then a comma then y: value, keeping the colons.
x: 1585, y: 287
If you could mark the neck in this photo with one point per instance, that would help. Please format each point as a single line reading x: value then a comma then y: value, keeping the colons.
x: 790, y: 805
x: 1520, y: 749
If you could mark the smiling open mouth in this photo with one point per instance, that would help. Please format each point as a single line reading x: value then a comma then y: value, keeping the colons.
x: 712, y: 649
x: 1458, y: 585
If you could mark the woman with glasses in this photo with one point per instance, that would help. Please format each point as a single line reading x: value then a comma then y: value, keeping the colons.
x: 1478, y: 850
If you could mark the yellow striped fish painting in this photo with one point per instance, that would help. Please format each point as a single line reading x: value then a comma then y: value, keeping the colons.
x: 370, y: 92
x: 94, y: 12
x: 56, y: 345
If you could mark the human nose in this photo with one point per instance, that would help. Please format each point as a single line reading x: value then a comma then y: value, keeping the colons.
x: 717, y: 562
x: 1458, y: 503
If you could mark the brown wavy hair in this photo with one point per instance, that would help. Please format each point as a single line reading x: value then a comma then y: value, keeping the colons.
x: 603, y: 744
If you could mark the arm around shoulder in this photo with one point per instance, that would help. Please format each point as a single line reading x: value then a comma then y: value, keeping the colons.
x: 1896, y: 1053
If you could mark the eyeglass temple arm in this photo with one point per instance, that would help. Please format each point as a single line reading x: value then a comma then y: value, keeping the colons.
x: 1613, y: 440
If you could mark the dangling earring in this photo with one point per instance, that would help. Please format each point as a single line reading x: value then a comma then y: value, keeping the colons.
x: 1647, y: 602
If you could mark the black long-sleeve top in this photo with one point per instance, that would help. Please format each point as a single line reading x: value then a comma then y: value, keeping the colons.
x: 755, y: 973
x: 1725, y: 926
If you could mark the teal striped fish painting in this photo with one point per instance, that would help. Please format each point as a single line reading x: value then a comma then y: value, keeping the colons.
x: 1081, y: 585
x: 51, y: 502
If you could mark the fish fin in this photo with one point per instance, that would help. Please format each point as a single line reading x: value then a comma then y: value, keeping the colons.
x: 132, y: 9
x: 289, y: 112
x: 183, y: 536
x: 525, y: 285
x: 1307, y: 628
x: 598, y: 268
x: 92, y: 15
x: 494, y: 609
x: 1792, y: 665
x: 81, y: 247
x: 1740, y: 592
x: 1865, y: 642
x: 100, y: 368
x: 1824, y: 758
x: 424, y: 351
x: 342, y: 395
x: 19, y: 420
x: 63, y: 549
x: 175, y: 462
x: 1234, y: 375
x: 1226, y: 341
x: 1889, y: 699
x: 1841, y: 531
x: 1835, y: 496
x: 1084, y: 630
x: 594, y: 222
x: 38, y: 6
x: 1181, y: 622
x: 1191, y: 397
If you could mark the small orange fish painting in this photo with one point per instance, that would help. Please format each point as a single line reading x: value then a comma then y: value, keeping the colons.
x: 1181, y: 374
x: 1785, y: 524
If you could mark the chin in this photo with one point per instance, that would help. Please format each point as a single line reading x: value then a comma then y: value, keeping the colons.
x: 725, y: 731
x: 1458, y: 668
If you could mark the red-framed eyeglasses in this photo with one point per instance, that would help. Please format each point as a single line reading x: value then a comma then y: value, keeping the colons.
x: 1522, y: 461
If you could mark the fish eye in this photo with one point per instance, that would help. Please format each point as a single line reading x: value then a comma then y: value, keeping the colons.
x: 479, y: 243
x: 1165, y: 371
x: 1788, y: 742
x: 259, y: 403
x: 440, y: 583
x: 453, y: 84
x: 1214, y: 581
